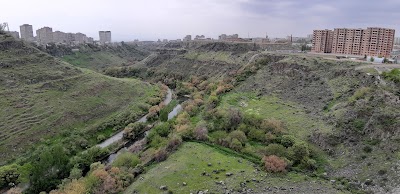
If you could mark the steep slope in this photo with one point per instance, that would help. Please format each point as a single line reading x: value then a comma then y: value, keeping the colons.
x: 42, y: 97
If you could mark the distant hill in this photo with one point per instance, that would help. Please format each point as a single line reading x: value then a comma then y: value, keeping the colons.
x: 42, y: 97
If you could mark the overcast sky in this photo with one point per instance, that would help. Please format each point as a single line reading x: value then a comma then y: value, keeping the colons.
x: 172, y: 19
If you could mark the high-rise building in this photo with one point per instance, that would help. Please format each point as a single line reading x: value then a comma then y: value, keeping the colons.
x: 187, y: 38
x: 44, y: 35
x: 14, y: 34
x: 105, y: 37
x: 322, y: 41
x: 26, y: 31
x: 59, y: 37
x: 377, y: 42
x: 370, y: 41
x: 347, y: 41
x: 397, y: 41
x: 80, y: 38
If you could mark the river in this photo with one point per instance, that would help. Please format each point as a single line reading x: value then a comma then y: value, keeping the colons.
x: 120, y: 135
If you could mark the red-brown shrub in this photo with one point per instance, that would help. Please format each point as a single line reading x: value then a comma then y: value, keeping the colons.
x: 274, y: 164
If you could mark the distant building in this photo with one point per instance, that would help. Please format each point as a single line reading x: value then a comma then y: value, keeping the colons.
x: 187, y: 38
x: 165, y: 40
x: 90, y: 40
x: 222, y: 37
x: 80, y: 38
x: 60, y: 37
x: 26, y: 31
x: 44, y: 35
x: 397, y: 41
x: 200, y: 37
x: 105, y: 37
x: 260, y: 40
x: 322, y: 41
x: 14, y: 34
x: 372, y: 41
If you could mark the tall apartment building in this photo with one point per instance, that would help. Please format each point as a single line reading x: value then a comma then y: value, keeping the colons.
x: 59, y: 37
x: 44, y: 35
x: 80, y: 38
x: 397, y: 40
x: 370, y: 41
x: 105, y: 37
x: 377, y: 42
x: 26, y: 31
x: 322, y: 41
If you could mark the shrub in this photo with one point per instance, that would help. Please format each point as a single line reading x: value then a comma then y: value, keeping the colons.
x: 272, y: 125
x: 308, y: 164
x: 163, y: 129
x: 9, y: 175
x: 270, y: 138
x: 299, y: 151
x: 276, y: 149
x: 288, y: 140
x: 75, y: 173
x: 183, y: 118
x: 201, y: 131
x: 160, y: 155
x: 154, y: 101
x: 218, y: 137
x: 127, y: 160
x: 256, y: 134
x: 239, y: 135
x: 252, y: 120
x: 274, y: 164
x: 174, y: 143
x: 235, y: 118
x: 156, y: 140
x: 235, y: 144
x: 133, y: 129
x: 101, y: 138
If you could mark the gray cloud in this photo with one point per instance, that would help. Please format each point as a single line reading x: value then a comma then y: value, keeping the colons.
x: 153, y: 19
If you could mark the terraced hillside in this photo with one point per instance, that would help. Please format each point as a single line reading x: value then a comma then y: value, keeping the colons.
x: 42, y: 97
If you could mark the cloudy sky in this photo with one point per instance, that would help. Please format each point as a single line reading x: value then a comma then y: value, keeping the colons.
x: 172, y: 19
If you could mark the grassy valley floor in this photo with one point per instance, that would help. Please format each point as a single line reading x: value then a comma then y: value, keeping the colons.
x: 203, y: 168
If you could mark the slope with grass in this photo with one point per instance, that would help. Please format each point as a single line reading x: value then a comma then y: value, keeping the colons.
x: 198, y: 167
x: 99, y: 58
x: 42, y: 97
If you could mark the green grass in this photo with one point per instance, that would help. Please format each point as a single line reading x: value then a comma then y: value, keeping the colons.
x: 296, y: 120
x: 95, y: 60
x: 46, y: 97
x: 191, y: 160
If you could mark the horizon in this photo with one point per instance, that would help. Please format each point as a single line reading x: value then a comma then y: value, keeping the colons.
x: 174, y: 19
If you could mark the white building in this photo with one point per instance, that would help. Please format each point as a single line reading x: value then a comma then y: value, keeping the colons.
x: 44, y: 35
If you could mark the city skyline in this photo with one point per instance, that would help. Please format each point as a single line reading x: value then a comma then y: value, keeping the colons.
x: 174, y: 19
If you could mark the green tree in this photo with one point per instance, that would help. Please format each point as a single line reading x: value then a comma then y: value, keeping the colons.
x: 49, y: 169
x: 126, y: 159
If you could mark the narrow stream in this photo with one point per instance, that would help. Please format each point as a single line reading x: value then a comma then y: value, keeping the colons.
x: 119, y: 135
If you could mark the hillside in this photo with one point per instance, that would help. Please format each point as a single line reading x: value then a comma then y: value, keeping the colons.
x: 351, y: 116
x: 99, y: 58
x: 42, y: 98
x: 306, y: 123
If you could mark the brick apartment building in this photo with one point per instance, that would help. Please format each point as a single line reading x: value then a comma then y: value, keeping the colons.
x: 322, y: 41
x: 370, y: 41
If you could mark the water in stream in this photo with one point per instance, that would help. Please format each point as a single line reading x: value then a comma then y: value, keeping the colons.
x: 119, y: 135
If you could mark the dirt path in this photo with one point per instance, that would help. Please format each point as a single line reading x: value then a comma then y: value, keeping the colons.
x: 388, y: 66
